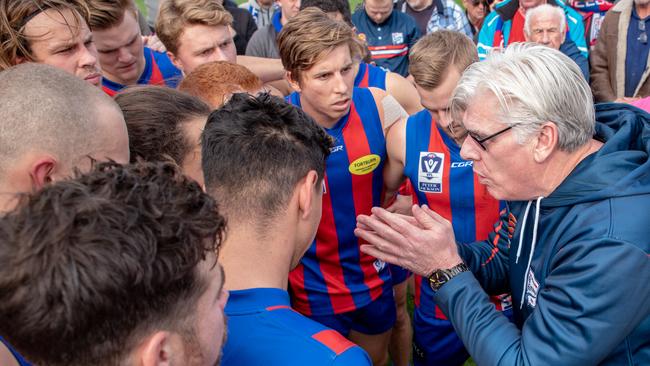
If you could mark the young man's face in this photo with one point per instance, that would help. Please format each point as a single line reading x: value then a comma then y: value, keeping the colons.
x: 437, y: 100
x: 121, y: 51
x: 378, y: 10
x: 200, y: 44
x: 61, y: 38
x: 326, y: 88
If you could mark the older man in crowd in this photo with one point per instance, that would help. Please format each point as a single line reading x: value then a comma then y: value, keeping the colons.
x: 572, y: 244
x: 546, y: 24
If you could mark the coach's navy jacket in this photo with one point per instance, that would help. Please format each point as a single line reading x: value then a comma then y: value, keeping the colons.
x: 577, y: 263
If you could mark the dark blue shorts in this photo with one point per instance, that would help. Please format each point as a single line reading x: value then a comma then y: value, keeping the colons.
x: 435, y: 341
x: 374, y: 318
x: 398, y: 274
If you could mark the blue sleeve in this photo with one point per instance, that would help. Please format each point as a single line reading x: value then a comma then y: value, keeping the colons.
x: 570, y: 49
x: 354, y: 356
x: 583, y: 310
x: 577, y: 30
x: 488, y: 259
x: 486, y: 35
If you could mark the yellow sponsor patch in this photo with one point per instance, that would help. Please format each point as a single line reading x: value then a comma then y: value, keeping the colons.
x: 365, y: 164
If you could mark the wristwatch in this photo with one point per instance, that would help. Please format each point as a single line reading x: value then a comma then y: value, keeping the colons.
x: 441, y: 276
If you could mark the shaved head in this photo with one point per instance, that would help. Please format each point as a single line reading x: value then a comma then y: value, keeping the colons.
x: 53, y: 118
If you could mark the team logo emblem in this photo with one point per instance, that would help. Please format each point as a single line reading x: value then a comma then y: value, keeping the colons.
x: 398, y: 38
x: 430, y: 172
x: 379, y: 265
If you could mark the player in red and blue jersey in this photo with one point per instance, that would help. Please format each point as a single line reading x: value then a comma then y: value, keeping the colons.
x: 9, y: 356
x: 273, y: 207
x: 335, y: 283
x: 124, y: 59
x: 426, y: 149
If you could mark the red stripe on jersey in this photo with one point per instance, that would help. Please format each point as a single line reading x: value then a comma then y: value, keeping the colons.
x: 331, y: 270
x: 300, y: 299
x: 388, y: 47
x: 277, y: 307
x: 156, y: 76
x: 357, y: 146
x: 440, y: 314
x: 111, y: 93
x: 418, y: 283
x: 486, y: 208
x: 364, y: 80
x: 333, y: 340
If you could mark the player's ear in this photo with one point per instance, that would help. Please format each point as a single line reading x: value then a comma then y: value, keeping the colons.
x: 176, y: 61
x: 293, y: 82
x: 42, y: 172
x: 156, y: 350
x: 308, y: 193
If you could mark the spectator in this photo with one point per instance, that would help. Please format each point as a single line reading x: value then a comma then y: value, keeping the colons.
x: 620, y: 63
x: 264, y: 42
x: 593, y: 13
x: 546, y: 24
x: 435, y: 15
x: 572, y: 244
x: 389, y: 34
x: 335, y: 9
x: 261, y: 10
x: 115, y: 267
x: 475, y: 11
x: 273, y: 206
x: 124, y: 58
x: 505, y: 25
x: 68, y: 45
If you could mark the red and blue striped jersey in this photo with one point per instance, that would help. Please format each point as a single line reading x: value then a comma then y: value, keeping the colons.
x: 334, y: 276
x: 158, y: 70
x: 370, y: 76
x: 445, y: 182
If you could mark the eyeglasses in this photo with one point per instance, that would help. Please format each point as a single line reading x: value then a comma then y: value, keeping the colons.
x: 480, y: 142
x: 643, y: 37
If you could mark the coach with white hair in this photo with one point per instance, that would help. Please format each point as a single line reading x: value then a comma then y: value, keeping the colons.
x: 573, y: 241
x: 546, y: 24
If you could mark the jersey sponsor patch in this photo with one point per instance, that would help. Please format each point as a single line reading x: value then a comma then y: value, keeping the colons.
x: 398, y: 37
x: 532, y: 287
x: 365, y: 164
x: 430, y: 172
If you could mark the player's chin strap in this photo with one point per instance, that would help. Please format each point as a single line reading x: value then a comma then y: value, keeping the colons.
x: 393, y: 111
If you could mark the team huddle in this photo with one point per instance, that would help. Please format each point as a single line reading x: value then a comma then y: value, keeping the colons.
x: 185, y: 191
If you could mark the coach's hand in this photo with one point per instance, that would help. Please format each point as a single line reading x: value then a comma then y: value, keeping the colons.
x: 422, y: 243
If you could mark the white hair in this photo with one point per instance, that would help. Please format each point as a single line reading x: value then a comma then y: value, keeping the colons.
x: 533, y: 84
x: 545, y: 9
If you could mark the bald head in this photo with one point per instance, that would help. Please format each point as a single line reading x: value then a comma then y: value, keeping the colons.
x: 53, y: 121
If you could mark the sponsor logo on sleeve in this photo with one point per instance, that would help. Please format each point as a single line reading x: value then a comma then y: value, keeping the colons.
x: 430, y: 172
x: 532, y: 287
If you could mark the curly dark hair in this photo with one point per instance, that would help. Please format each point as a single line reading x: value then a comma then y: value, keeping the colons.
x: 90, y: 265
x: 255, y: 149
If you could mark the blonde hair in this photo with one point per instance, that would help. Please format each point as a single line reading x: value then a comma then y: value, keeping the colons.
x: 175, y: 15
x: 434, y: 53
x: 214, y: 82
x: 14, y: 16
x: 309, y: 36
x: 105, y: 14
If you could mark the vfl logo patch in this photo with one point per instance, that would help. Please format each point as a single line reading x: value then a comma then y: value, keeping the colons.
x: 532, y: 287
x: 398, y: 38
x: 365, y: 164
x: 430, y: 172
x: 379, y: 265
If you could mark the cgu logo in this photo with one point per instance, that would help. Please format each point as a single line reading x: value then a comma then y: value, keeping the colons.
x: 461, y: 164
